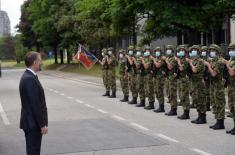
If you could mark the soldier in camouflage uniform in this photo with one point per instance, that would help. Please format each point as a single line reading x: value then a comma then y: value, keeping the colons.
x: 231, y: 86
x: 148, y: 79
x: 105, y: 69
x: 112, y: 72
x: 198, y: 85
x: 141, y: 73
x: 183, y: 80
x: 159, y: 79
x: 215, y: 67
x: 132, y: 76
x: 123, y: 75
x: 171, y: 79
x: 206, y: 76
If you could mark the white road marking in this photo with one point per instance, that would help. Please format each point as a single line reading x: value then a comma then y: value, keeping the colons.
x: 79, y: 101
x: 69, y: 97
x: 89, y: 106
x: 139, y: 126
x: 102, y: 111
x: 200, y: 151
x: 4, y: 115
x: 56, y: 91
x: 167, y: 138
x: 62, y: 94
x: 118, y: 118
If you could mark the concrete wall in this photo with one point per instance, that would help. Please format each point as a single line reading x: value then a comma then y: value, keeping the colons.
x: 232, y: 30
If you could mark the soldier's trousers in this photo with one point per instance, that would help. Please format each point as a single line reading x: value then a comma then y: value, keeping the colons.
x: 105, y: 77
x: 218, y: 97
x: 159, y: 89
x: 124, y: 84
x: 198, y: 95
x: 140, y: 86
x: 172, y: 92
x: 184, y: 93
x: 231, y: 98
x: 149, y: 87
x: 208, y: 93
x: 112, y: 80
x: 133, y: 85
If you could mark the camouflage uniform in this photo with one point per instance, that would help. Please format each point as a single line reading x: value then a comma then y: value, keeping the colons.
x: 149, y: 81
x: 206, y: 77
x: 198, y: 86
x: 105, y: 69
x: 183, y: 81
x: 231, y: 86
x: 140, y: 77
x: 159, y: 79
x: 123, y: 75
x: 217, y: 88
x: 171, y: 81
x: 112, y: 73
x: 132, y: 76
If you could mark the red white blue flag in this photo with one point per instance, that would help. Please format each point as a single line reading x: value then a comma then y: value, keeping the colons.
x: 85, y: 57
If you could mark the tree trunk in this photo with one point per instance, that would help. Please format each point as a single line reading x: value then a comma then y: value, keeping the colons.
x: 55, y: 53
x: 68, y: 57
x: 61, y: 57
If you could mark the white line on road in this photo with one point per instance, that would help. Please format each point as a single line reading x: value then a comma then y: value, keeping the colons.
x: 200, y: 151
x: 4, y: 115
x: 69, y: 97
x: 89, y: 106
x: 118, y: 118
x: 79, y: 101
x: 139, y: 126
x: 102, y: 111
x: 56, y: 91
x: 62, y: 94
x: 167, y: 138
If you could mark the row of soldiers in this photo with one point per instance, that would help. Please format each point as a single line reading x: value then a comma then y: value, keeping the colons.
x: 197, y: 71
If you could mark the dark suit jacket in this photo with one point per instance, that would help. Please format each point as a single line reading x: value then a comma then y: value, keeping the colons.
x: 34, y: 109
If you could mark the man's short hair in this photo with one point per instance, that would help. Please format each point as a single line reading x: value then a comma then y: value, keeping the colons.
x: 30, y: 58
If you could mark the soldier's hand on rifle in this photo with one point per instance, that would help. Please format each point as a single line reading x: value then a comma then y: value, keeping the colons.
x: 163, y: 58
x: 224, y: 61
x: 206, y: 63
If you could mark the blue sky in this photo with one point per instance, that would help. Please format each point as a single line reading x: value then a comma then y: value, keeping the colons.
x: 12, y: 7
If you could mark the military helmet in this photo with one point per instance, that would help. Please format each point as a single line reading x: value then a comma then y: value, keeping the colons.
x: 147, y: 48
x: 195, y: 47
x: 215, y: 47
x: 110, y: 49
x: 122, y: 51
x: 170, y: 47
x: 131, y: 47
x: 204, y: 48
x: 104, y: 50
x: 182, y: 47
x: 158, y: 48
x: 138, y: 48
x: 231, y: 45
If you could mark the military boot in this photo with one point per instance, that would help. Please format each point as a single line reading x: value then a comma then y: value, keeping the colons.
x: 107, y: 93
x: 141, y: 104
x: 150, y: 106
x: 125, y: 99
x: 219, y: 125
x: 185, y: 115
x: 113, y: 94
x: 172, y: 112
x: 196, y: 120
x: 232, y: 130
x: 202, y: 119
x: 133, y: 101
x: 160, y: 108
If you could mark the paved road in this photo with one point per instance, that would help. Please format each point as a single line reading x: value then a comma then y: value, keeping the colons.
x: 82, y: 122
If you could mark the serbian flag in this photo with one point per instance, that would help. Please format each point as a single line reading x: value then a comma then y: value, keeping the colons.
x: 85, y: 57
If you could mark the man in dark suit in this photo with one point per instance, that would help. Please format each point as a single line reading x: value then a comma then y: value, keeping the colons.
x: 34, y: 120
